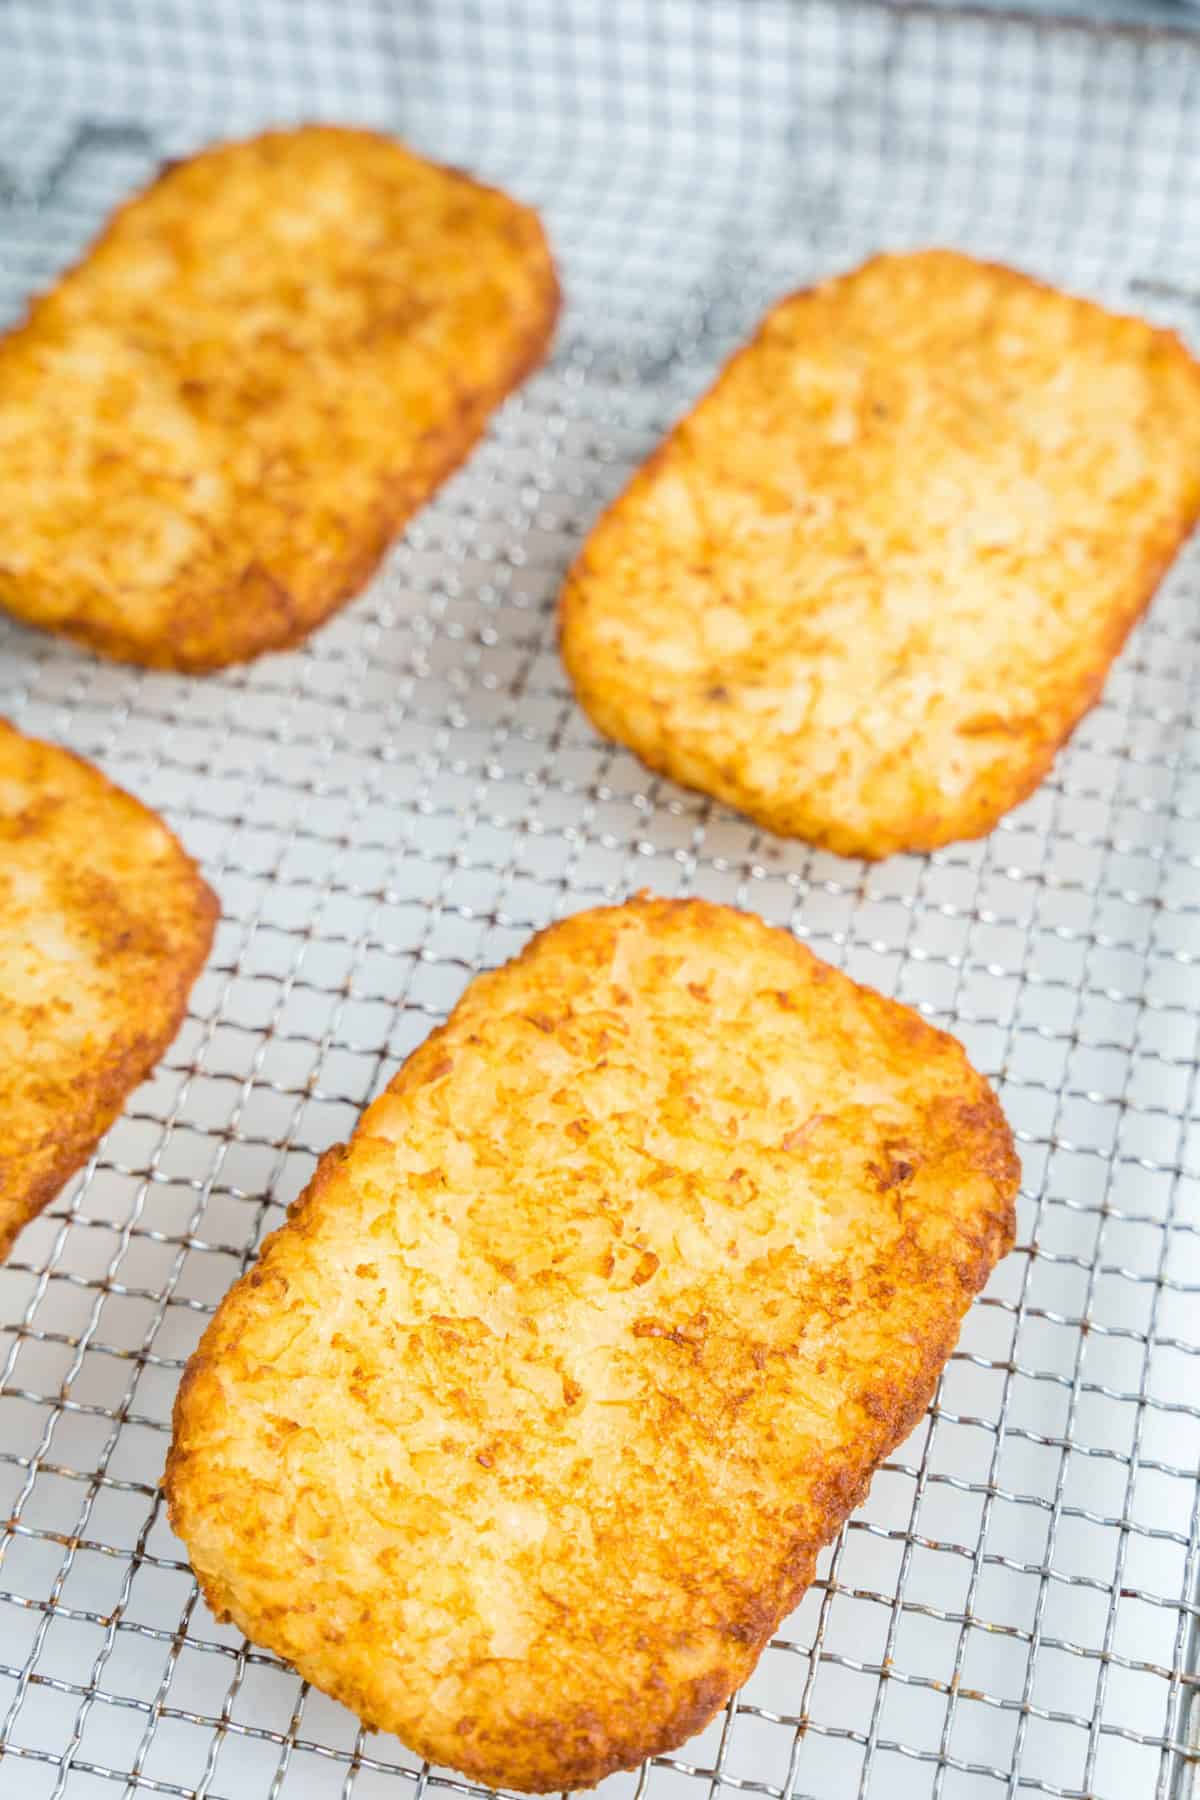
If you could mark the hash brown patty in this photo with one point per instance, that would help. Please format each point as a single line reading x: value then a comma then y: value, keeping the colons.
x: 868, y: 586
x: 213, y: 426
x: 105, y: 923
x: 525, y: 1430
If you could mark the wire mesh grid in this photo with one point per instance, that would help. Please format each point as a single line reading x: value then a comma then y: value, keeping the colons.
x: 403, y: 800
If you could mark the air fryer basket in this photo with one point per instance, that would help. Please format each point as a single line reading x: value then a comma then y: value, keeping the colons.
x: 401, y: 801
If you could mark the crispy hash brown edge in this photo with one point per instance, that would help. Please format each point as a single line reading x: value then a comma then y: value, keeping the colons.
x: 978, y: 812
x: 111, y: 1082
x: 260, y: 614
x: 556, y: 1751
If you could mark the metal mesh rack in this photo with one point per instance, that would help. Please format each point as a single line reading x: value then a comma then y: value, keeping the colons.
x: 404, y: 799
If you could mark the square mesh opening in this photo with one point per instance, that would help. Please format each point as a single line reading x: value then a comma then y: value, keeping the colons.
x: 402, y: 800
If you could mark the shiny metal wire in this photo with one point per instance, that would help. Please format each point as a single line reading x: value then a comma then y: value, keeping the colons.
x: 401, y: 801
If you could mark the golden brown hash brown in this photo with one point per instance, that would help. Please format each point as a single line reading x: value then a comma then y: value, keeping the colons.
x: 866, y: 589
x: 105, y: 923
x: 526, y: 1429
x: 211, y: 429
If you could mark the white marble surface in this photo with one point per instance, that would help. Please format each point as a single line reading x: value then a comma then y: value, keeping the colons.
x: 404, y: 798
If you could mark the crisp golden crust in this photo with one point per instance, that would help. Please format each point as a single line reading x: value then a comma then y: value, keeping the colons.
x: 105, y: 923
x: 211, y: 429
x: 868, y: 587
x: 526, y: 1429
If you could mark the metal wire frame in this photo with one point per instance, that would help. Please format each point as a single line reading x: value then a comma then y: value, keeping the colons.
x: 403, y: 800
